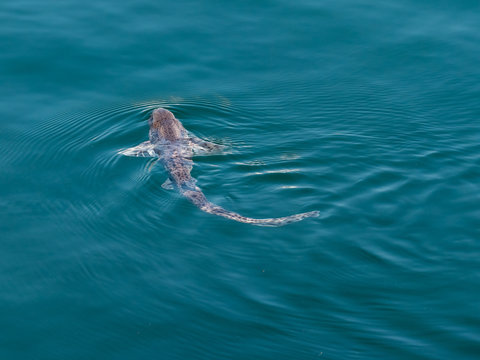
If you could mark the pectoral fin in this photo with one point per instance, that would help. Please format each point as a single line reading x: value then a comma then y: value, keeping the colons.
x: 145, y: 149
x: 202, y: 147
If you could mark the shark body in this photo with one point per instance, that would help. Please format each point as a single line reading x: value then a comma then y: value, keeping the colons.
x: 175, y: 147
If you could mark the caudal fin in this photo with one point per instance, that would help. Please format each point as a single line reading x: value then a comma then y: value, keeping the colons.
x: 217, y: 210
x: 198, y: 198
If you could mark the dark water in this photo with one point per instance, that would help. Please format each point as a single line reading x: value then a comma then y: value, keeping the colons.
x: 366, y: 111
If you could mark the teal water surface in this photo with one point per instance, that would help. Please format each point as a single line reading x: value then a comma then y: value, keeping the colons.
x: 367, y: 111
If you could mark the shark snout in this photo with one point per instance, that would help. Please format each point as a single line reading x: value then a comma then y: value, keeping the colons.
x: 164, y: 125
x: 161, y: 112
x: 161, y: 116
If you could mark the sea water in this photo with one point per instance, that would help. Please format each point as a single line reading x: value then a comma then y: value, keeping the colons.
x: 368, y: 111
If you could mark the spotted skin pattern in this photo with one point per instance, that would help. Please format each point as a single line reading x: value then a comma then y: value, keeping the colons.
x: 175, y: 147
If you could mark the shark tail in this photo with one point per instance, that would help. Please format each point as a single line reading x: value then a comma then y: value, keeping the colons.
x: 198, y: 198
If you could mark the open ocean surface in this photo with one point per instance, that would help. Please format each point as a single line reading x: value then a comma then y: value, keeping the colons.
x: 368, y: 111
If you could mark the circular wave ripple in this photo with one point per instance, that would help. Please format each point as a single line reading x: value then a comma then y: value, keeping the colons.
x: 84, y: 182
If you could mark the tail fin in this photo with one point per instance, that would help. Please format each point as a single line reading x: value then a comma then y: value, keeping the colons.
x: 199, y: 199
x: 217, y: 210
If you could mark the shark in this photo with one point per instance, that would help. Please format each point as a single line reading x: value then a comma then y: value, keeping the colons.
x: 175, y: 148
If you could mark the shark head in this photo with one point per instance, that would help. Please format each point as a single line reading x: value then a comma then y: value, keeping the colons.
x: 164, y: 126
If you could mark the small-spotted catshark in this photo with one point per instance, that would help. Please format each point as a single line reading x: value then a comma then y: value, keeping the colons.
x: 175, y: 147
